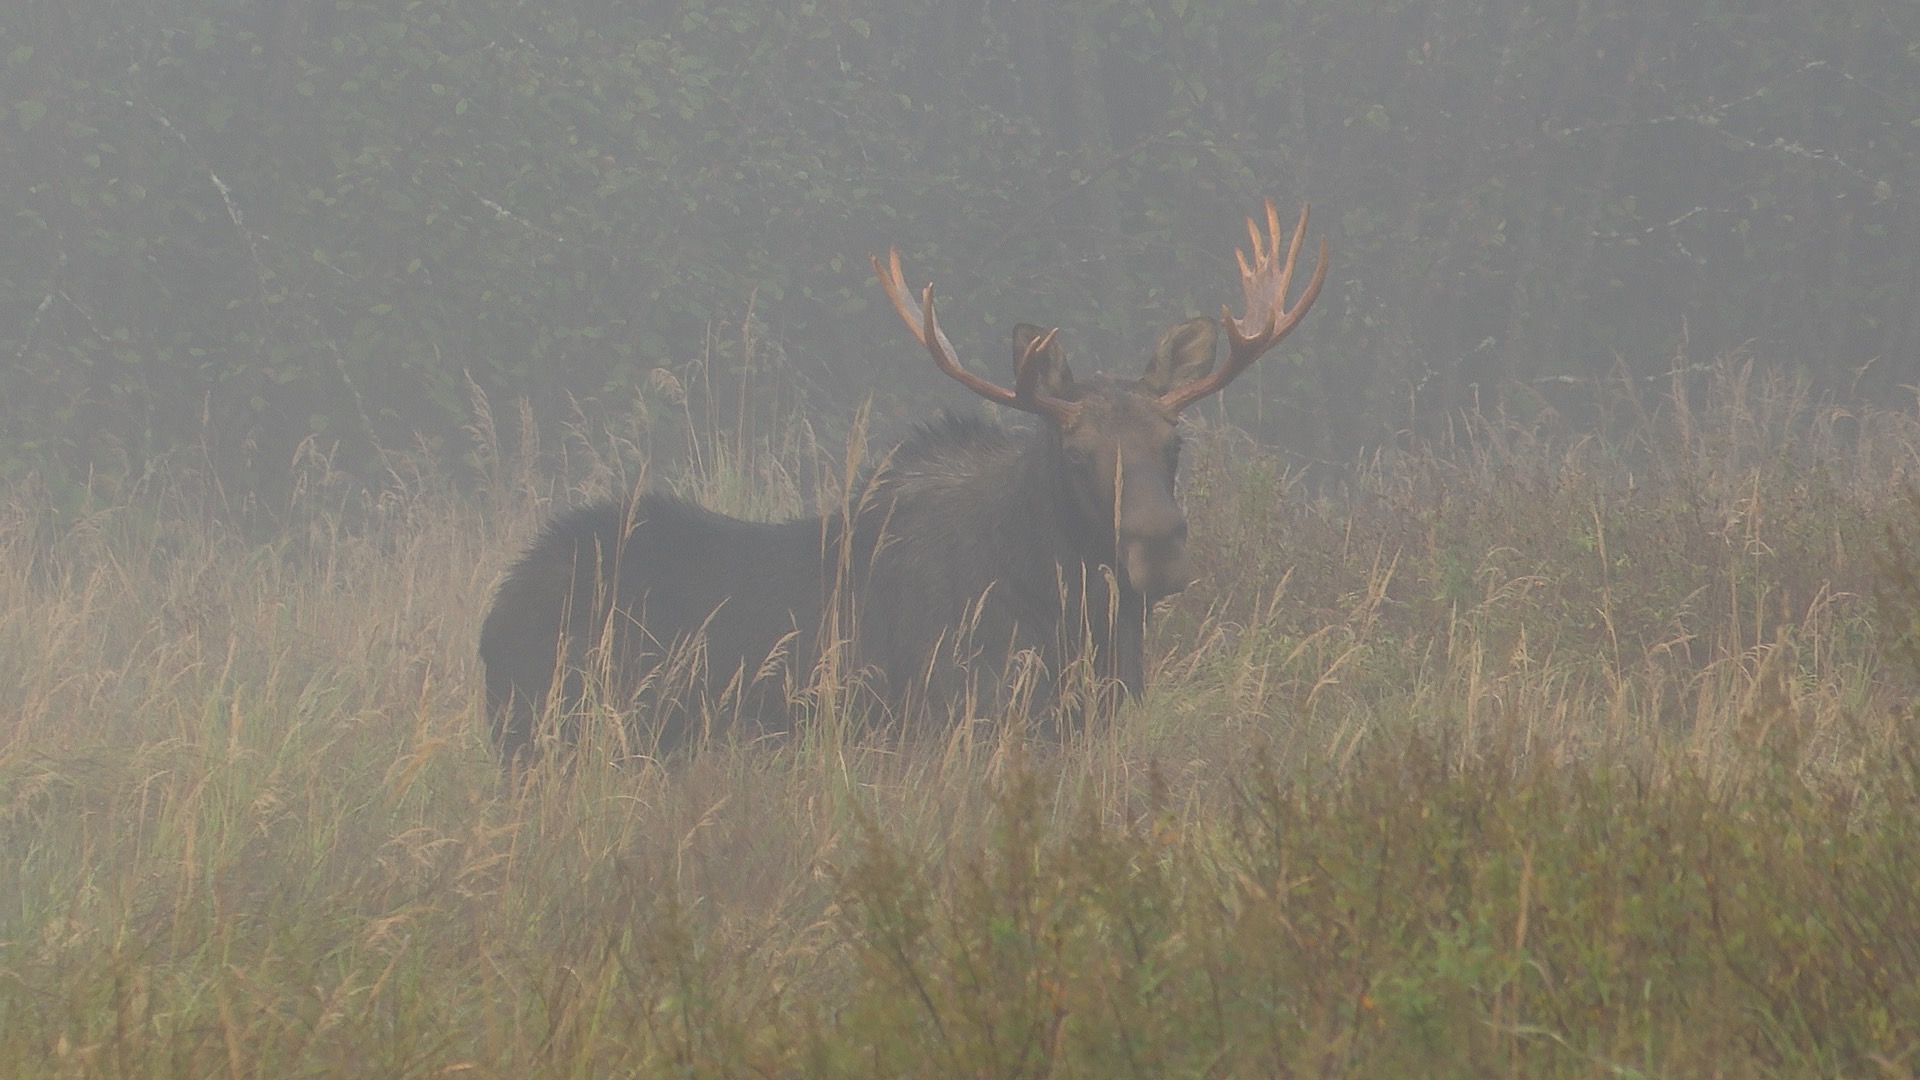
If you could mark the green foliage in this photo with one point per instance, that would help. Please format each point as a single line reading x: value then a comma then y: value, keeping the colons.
x: 1410, y: 919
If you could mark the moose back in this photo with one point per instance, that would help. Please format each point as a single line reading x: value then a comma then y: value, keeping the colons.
x: 975, y: 568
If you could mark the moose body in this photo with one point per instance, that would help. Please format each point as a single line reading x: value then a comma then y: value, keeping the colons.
x: 920, y: 593
x: 973, y: 566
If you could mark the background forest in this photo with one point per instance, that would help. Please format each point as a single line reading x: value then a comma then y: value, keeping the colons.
x: 234, y: 227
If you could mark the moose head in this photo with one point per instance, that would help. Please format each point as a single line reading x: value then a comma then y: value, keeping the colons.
x: 1115, y: 443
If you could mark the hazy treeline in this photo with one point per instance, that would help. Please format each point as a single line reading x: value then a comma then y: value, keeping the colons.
x: 234, y: 225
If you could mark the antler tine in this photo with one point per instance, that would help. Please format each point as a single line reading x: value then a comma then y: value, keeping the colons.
x: 1265, y: 282
x: 1293, y: 251
x: 1026, y: 375
x: 895, y: 286
x: 931, y: 335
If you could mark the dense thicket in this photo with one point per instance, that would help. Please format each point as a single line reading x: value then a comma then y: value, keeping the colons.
x: 234, y: 225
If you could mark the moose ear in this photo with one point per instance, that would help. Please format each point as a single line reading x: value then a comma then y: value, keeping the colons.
x: 1056, y: 378
x: 1184, y: 354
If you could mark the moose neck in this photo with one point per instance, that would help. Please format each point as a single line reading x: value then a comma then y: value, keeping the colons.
x: 992, y: 513
x: 1084, y: 571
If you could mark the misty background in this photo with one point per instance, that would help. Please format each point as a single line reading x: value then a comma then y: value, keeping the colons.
x: 240, y: 232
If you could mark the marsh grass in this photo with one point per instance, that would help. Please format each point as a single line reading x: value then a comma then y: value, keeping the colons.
x: 1522, y: 755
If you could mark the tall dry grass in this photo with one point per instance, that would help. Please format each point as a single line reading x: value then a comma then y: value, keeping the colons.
x: 1523, y: 753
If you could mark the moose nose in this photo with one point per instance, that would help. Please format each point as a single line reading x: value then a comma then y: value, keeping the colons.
x: 1156, y: 564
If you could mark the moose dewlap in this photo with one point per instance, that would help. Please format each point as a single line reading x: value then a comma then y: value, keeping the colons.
x: 972, y: 569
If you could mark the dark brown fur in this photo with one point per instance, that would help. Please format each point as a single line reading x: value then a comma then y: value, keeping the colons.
x: 966, y: 526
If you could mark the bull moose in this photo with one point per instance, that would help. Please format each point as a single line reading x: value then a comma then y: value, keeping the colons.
x: 973, y: 564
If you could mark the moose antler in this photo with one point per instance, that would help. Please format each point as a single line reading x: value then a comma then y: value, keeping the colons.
x: 1268, y: 319
x: 918, y: 316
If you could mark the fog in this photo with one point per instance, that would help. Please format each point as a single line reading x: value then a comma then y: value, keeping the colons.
x: 235, y: 229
